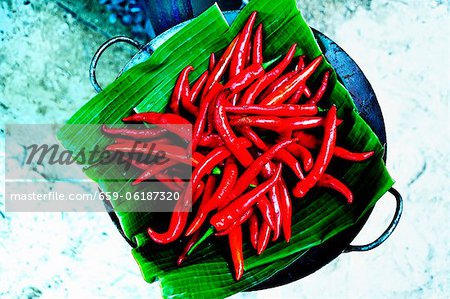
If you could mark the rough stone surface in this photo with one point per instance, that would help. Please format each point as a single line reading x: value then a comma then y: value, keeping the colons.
x: 402, y: 46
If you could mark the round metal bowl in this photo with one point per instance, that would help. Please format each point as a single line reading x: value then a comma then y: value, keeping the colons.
x: 366, y: 102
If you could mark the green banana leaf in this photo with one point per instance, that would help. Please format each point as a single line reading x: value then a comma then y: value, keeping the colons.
x: 319, y: 216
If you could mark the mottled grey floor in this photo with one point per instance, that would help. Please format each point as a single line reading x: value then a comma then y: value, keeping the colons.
x: 402, y: 46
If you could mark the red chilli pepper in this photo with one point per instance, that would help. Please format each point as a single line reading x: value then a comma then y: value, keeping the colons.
x: 277, y: 84
x: 342, y: 153
x: 281, y: 95
x: 157, y: 118
x: 198, y: 191
x: 297, y: 95
x: 212, y: 62
x: 207, y: 196
x: 181, y: 89
x: 268, y: 170
x: 241, y: 54
x: 328, y: 181
x: 303, y: 153
x: 188, y: 100
x: 207, y: 193
x: 251, y: 135
x: 323, y: 158
x: 237, y: 223
x: 312, y: 142
x: 244, y: 78
x: 227, y: 134
x: 187, y: 103
x: 281, y: 156
x: 163, y: 178
x: 226, y: 217
x: 200, y: 122
x: 277, y: 124
x: 136, y: 146
x: 226, y: 185
x: 307, y: 92
x: 153, y: 170
x: 300, y: 66
x: 230, y: 175
x: 213, y: 158
x: 279, y: 110
x: 119, y: 140
x: 275, y: 198
x: 171, y: 152
x: 321, y: 91
x: 285, y: 209
x: 197, y: 158
x: 134, y: 133
x: 210, y: 186
x: 188, y: 247
x: 210, y: 117
x: 249, y: 54
x: 307, y: 140
x: 239, y: 57
x: 263, y: 238
x: 267, y: 211
x: 255, y: 168
x: 253, y: 91
x: 211, y: 141
x: 221, y: 65
x: 253, y: 228
x: 197, y: 87
x: 257, y: 54
x: 235, y: 242
x: 173, y: 183
x: 166, y: 119
x: 177, y: 223
x: 287, y: 159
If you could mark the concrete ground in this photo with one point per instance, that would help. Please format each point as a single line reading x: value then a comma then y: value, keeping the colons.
x: 402, y: 46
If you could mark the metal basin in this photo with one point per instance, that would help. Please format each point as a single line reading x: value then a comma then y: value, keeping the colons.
x: 366, y: 102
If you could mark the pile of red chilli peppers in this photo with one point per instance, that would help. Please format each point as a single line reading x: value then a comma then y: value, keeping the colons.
x: 254, y: 125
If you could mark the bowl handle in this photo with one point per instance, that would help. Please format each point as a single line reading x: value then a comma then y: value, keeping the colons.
x: 103, y: 47
x: 386, y: 234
